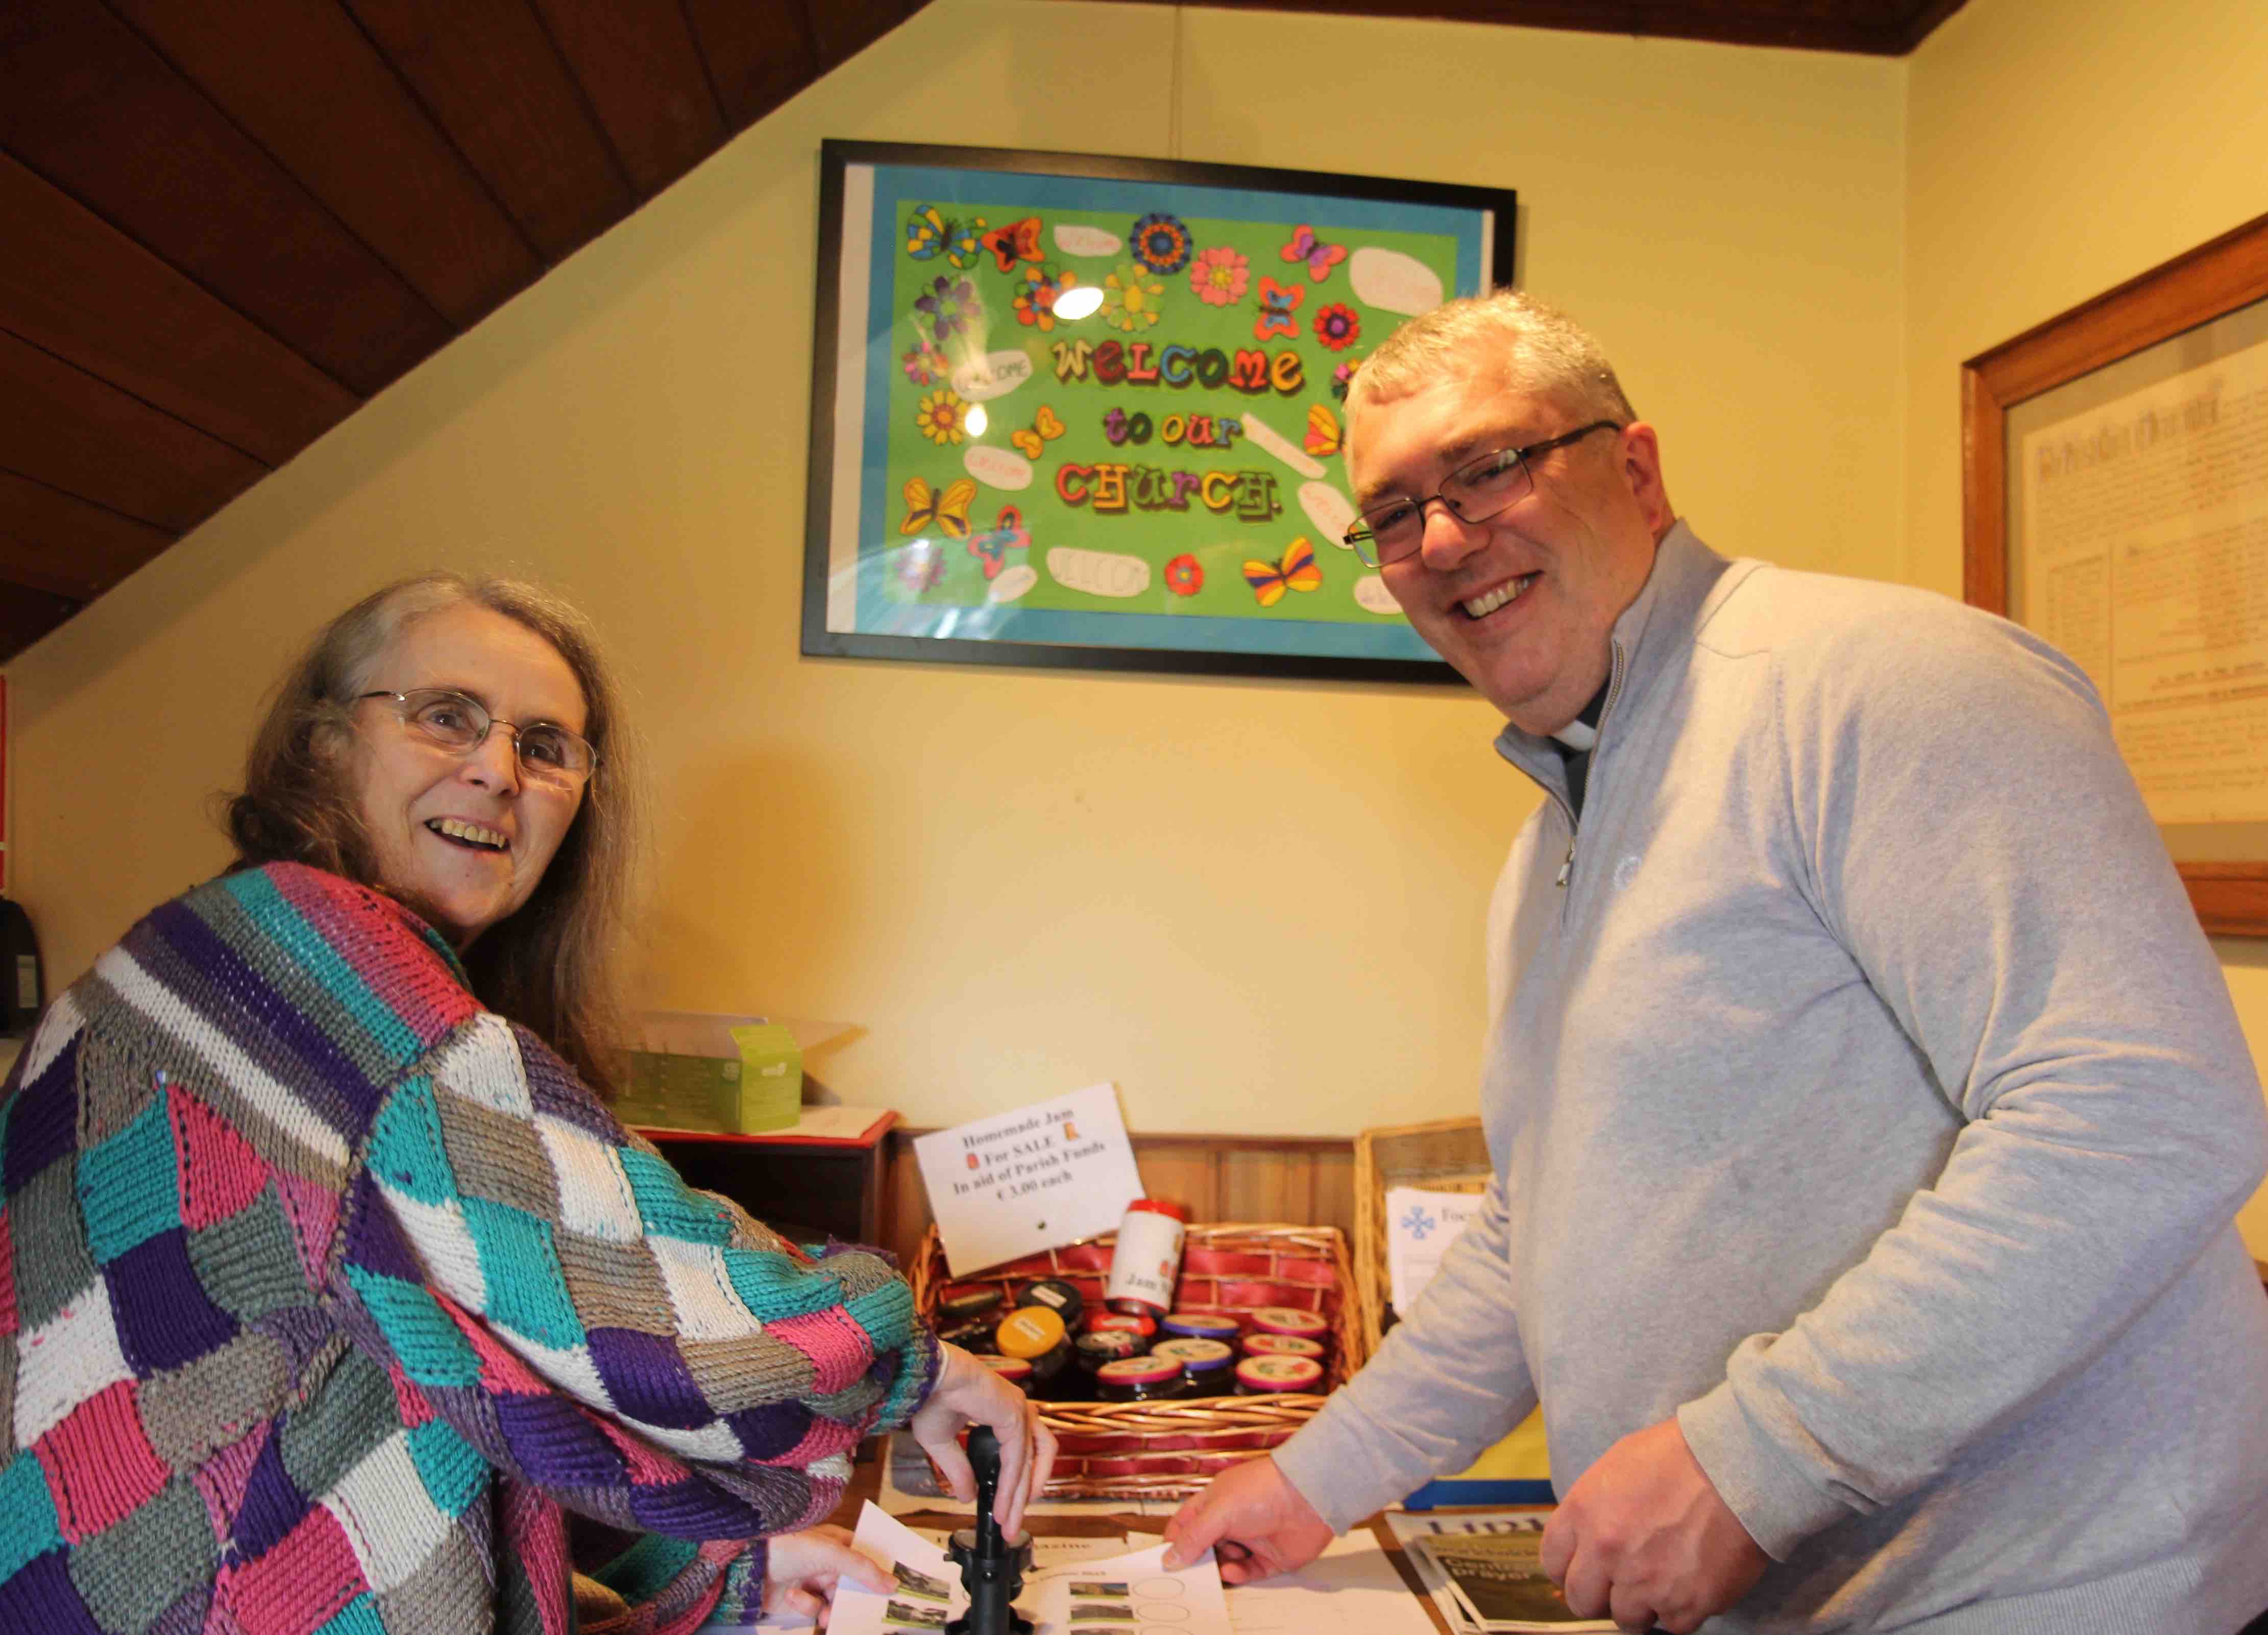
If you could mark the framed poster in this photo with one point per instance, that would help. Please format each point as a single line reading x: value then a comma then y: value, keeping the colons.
x: 1077, y: 410
x: 2117, y: 503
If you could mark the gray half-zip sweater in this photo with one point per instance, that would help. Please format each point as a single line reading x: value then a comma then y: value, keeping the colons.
x: 1867, y: 1098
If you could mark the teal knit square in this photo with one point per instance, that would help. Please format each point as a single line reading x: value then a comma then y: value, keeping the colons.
x: 775, y: 1286
x: 668, y: 1205
x: 359, y: 1617
x: 407, y: 1154
x: 452, y: 1470
x: 520, y: 1266
x: 29, y: 1525
x: 431, y: 1348
x: 128, y: 1189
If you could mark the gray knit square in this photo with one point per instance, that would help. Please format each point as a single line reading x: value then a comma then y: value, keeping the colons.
x: 133, y: 1571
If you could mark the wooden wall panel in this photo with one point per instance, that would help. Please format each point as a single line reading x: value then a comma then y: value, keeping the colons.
x: 1300, y: 1179
x: 27, y: 615
x: 53, y: 542
x: 63, y: 427
x: 843, y: 28
x: 758, y: 56
x: 491, y: 76
x: 422, y: 209
x: 86, y: 103
x: 636, y: 62
x: 76, y: 286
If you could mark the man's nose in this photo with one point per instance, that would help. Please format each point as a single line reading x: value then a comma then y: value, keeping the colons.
x: 1449, y: 538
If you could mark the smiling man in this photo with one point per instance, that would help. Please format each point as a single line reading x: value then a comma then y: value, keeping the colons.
x: 1867, y: 1108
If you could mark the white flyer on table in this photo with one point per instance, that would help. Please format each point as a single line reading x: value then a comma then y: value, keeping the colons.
x: 1420, y: 1226
x: 1040, y: 1177
x: 1123, y: 1595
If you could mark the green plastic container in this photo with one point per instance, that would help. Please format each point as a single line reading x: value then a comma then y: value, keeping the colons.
x: 722, y: 1075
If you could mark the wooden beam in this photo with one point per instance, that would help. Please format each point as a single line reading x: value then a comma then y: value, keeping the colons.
x: 758, y: 56
x: 86, y: 103
x: 76, y: 286
x: 61, y: 426
x: 319, y: 97
x: 55, y: 542
x: 637, y: 62
x: 490, y: 77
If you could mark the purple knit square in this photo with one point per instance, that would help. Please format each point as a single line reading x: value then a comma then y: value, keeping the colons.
x: 555, y: 1090
x: 693, y: 1509
x: 40, y: 1596
x: 260, y: 1015
x: 648, y: 1379
x: 164, y: 1317
x: 273, y: 1505
x: 41, y: 1120
x: 374, y: 1240
x: 769, y: 1430
x: 556, y: 1444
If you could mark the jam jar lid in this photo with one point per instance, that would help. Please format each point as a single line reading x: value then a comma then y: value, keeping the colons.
x: 1008, y: 1368
x: 1139, y: 1371
x: 1193, y: 1353
x: 1030, y: 1331
x: 1279, y: 1373
x: 1282, y: 1345
x: 1203, y: 1325
x: 1291, y: 1320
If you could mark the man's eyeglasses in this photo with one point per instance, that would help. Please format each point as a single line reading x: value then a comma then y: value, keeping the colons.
x: 458, y: 723
x: 1392, y: 530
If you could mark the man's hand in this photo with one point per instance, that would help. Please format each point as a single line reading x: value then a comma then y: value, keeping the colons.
x: 1643, y: 1539
x: 1256, y: 1519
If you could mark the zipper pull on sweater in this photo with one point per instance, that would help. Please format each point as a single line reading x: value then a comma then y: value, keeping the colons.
x: 1568, y: 867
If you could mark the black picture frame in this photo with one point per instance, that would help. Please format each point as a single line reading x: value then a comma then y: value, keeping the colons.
x: 900, y: 563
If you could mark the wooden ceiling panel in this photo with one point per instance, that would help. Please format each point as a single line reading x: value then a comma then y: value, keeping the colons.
x: 758, y: 56
x: 1869, y: 27
x: 78, y: 287
x: 843, y: 28
x: 489, y: 74
x: 87, y: 104
x: 63, y: 427
x: 646, y: 82
x: 55, y: 542
x: 319, y: 97
x: 27, y: 615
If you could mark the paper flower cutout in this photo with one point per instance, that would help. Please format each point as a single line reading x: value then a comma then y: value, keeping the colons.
x: 1337, y: 327
x: 1220, y: 276
x: 1161, y: 243
x: 1130, y: 301
x: 1037, y: 290
x: 939, y: 417
x: 1184, y: 575
x: 948, y: 306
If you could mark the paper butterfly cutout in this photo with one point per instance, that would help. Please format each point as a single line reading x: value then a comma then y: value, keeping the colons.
x: 1277, y: 303
x: 931, y: 234
x: 1045, y: 429
x: 1018, y: 241
x: 1319, y: 257
x: 920, y: 566
x: 1323, y: 438
x: 1297, y: 572
x: 947, y: 509
x: 992, y: 549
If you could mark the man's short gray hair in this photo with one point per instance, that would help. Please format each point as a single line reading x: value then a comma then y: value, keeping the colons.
x: 1541, y: 350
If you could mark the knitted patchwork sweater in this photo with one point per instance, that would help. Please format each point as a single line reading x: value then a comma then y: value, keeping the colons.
x: 326, y: 1295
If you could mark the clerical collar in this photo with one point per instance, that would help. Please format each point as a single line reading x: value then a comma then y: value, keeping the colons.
x: 1583, y: 732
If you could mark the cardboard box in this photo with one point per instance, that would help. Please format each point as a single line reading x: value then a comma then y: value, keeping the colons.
x: 690, y: 1069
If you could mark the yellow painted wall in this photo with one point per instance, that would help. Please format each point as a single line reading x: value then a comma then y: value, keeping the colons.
x: 2056, y: 150
x: 1255, y: 906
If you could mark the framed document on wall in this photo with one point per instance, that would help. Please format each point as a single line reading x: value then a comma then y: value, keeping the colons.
x: 2117, y: 503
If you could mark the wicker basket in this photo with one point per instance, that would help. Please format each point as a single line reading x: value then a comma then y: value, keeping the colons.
x: 1132, y: 1450
x: 1448, y: 1155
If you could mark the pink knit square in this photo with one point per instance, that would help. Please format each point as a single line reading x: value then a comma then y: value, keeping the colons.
x: 221, y: 1479
x: 219, y: 1171
x: 826, y: 1436
x: 415, y: 1407
x: 99, y: 1465
x: 649, y: 1465
x: 838, y: 1348
x: 300, y: 1585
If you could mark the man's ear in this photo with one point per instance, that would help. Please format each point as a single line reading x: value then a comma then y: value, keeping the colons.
x: 1641, y: 472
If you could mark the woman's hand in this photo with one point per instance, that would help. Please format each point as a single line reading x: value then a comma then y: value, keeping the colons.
x: 968, y: 1392
x: 802, y: 1570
